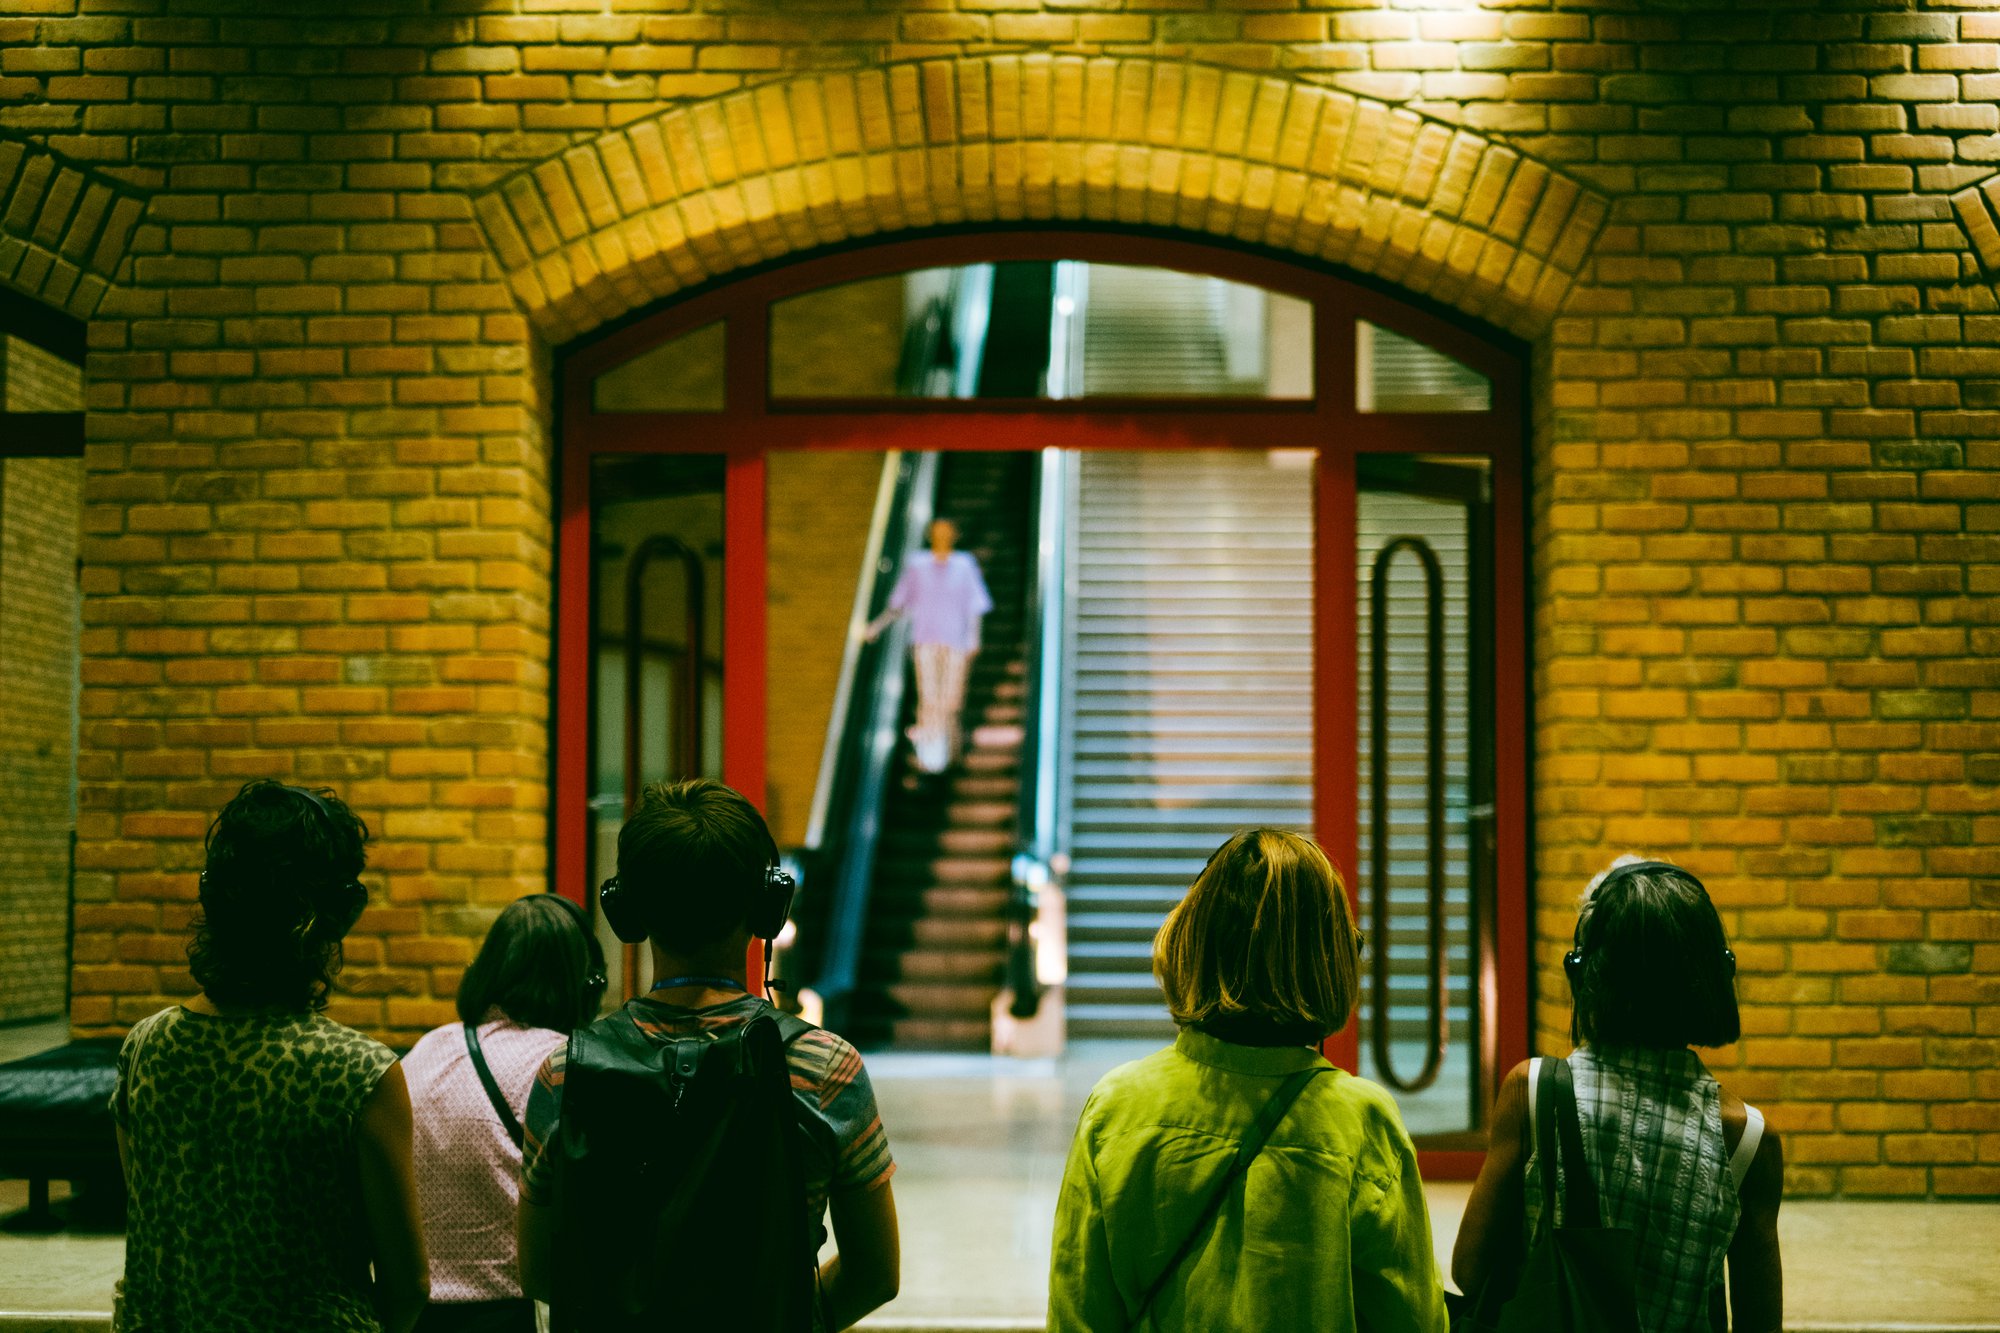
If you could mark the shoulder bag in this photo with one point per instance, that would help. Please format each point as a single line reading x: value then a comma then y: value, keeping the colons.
x: 1580, y: 1275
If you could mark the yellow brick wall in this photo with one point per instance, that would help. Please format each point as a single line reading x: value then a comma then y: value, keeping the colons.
x: 819, y: 508
x: 1744, y: 244
x: 39, y: 502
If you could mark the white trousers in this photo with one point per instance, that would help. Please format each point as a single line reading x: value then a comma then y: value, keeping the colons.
x: 941, y: 675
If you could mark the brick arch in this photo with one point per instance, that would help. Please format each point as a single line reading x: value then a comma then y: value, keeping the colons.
x: 700, y: 190
x: 63, y: 229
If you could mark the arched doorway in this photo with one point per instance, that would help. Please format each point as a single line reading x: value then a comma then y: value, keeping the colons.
x: 1395, y: 436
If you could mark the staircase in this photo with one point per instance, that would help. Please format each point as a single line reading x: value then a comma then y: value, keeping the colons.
x: 936, y: 942
x: 1191, y: 697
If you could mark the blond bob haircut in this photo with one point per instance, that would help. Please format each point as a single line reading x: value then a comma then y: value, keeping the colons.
x: 1264, y: 932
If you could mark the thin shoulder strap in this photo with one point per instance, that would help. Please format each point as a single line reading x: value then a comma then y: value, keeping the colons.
x: 1542, y: 1123
x: 1253, y: 1143
x: 508, y: 1120
x: 1534, y: 1087
x: 1746, y: 1147
x: 1579, y: 1190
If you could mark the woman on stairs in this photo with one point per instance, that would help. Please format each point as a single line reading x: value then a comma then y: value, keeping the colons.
x: 945, y: 597
x: 1237, y: 1180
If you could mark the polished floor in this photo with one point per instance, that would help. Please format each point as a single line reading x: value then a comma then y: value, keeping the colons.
x: 980, y: 1144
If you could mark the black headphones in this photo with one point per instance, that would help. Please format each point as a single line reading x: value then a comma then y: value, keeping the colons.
x: 594, y: 980
x: 770, y: 906
x: 1573, y: 960
x: 352, y: 896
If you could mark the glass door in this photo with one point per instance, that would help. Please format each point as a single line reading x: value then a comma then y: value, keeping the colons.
x: 656, y: 648
x: 1425, y: 794
x: 1293, y: 526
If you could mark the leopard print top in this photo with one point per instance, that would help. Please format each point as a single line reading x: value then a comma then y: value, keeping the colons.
x: 245, y: 1194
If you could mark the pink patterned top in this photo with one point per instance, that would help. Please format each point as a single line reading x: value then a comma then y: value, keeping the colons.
x: 468, y: 1170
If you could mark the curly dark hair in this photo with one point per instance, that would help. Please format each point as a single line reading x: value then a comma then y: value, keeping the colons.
x: 277, y: 897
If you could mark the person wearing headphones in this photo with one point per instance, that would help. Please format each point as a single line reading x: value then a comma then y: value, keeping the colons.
x: 538, y: 977
x: 627, y: 1114
x: 266, y: 1147
x: 1677, y: 1160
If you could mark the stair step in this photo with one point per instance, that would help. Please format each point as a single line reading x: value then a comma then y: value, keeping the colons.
x: 931, y: 965
x: 944, y: 998
x: 1119, y: 1020
x: 956, y: 840
x: 930, y: 1033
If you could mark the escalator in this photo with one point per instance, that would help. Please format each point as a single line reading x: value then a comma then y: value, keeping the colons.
x: 935, y: 947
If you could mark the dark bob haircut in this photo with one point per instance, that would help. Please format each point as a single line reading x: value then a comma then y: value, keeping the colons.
x: 540, y: 966
x: 278, y: 895
x: 694, y: 853
x: 1651, y: 967
x: 1263, y: 933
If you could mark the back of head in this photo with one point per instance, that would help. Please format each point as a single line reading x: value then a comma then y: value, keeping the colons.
x: 278, y: 894
x: 540, y: 966
x: 694, y: 857
x: 1651, y: 966
x: 1264, y: 932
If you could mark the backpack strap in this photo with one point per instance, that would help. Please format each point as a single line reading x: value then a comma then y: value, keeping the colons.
x: 790, y: 1026
x: 508, y: 1120
x: 1253, y: 1143
x: 1746, y: 1147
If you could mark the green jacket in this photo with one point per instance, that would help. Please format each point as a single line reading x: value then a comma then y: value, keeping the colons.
x: 1327, y: 1232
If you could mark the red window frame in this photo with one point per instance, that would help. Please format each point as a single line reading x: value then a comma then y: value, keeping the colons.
x: 752, y: 425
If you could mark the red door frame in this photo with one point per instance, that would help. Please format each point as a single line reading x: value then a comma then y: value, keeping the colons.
x: 752, y: 426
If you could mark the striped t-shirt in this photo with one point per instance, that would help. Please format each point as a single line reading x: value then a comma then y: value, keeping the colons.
x: 827, y: 1079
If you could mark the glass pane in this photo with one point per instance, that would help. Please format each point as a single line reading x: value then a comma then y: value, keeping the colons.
x: 1398, y: 374
x: 1189, y: 696
x: 1042, y: 330
x: 1418, y: 791
x: 820, y: 506
x: 895, y: 758
x: 685, y: 375
x: 34, y: 380
x: 656, y: 688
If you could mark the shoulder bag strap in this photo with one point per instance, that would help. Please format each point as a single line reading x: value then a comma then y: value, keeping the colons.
x: 1542, y: 1125
x: 1579, y: 1189
x: 506, y: 1113
x: 1746, y: 1147
x: 1253, y: 1143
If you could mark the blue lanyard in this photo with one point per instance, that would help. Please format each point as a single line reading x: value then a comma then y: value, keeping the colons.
x: 713, y: 983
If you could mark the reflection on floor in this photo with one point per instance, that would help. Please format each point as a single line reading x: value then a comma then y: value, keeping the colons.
x: 981, y: 1143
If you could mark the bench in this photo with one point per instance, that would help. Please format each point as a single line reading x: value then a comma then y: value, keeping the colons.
x: 55, y: 1123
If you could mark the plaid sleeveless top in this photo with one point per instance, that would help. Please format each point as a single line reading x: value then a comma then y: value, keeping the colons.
x: 1652, y: 1134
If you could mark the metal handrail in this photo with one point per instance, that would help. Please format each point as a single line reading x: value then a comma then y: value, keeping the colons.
x: 874, y: 565
x: 1038, y: 827
x: 689, y: 713
x: 1435, y: 1020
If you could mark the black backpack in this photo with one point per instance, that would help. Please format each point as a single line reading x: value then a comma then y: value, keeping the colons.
x: 682, y: 1199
